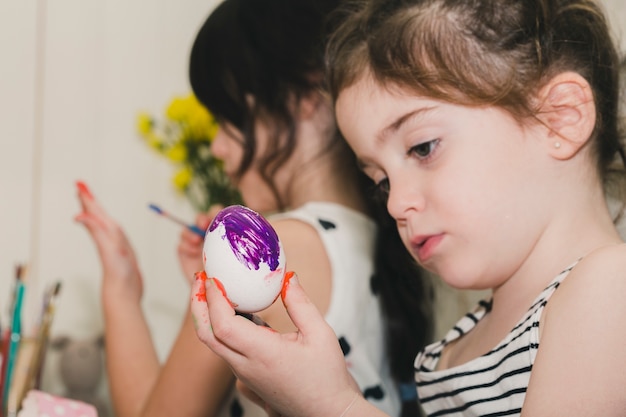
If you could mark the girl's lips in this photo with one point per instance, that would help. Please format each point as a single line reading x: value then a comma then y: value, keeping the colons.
x: 425, y: 246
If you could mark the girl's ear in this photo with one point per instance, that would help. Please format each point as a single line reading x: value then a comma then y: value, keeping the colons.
x: 309, y: 105
x: 568, y: 110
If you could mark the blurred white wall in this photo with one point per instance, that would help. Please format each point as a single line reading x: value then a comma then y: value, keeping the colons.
x: 73, y: 75
x: 616, y: 10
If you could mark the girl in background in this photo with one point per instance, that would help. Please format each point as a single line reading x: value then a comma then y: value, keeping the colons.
x: 492, y: 128
x: 257, y: 65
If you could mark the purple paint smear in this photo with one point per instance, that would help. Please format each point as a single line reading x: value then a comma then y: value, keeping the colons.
x: 252, y: 239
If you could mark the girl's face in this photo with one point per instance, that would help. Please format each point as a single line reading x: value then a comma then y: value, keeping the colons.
x: 228, y: 145
x: 463, y: 183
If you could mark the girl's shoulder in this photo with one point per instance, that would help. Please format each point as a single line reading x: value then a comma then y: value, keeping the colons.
x: 323, y: 221
x: 598, y: 274
x: 324, y: 214
x: 582, y: 339
x: 602, y: 267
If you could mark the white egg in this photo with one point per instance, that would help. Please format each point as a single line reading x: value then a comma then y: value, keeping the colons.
x: 242, y: 250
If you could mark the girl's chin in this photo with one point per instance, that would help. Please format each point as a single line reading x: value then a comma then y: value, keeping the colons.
x: 259, y: 205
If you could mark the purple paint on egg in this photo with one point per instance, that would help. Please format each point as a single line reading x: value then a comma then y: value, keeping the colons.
x: 252, y: 239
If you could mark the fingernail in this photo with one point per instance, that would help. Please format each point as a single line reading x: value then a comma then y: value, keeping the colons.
x: 82, y: 187
x: 200, y: 275
x: 288, y: 276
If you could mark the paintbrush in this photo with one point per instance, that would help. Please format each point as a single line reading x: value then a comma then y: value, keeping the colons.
x: 167, y: 215
x: 44, y: 333
x: 8, y: 336
x: 14, y: 342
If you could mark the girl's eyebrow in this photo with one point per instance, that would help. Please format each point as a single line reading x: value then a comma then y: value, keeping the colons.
x: 397, y: 124
x: 394, y: 127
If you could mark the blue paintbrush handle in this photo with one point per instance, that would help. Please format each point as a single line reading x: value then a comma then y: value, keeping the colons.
x: 167, y: 215
x: 196, y: 230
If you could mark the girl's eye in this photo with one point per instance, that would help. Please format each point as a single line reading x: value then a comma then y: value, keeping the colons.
x: 425, y: 149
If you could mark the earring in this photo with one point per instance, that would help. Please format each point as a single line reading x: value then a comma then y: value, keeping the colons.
x: 557, y: 145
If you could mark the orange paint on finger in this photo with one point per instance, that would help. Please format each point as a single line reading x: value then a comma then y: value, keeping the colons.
x: 201, y: 294
x: 283, y: 290
x: 220, y: 286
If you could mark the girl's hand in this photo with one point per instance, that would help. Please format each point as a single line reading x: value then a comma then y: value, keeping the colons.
x: 297, y: 374
x: 190, y: 244
x: 121, y: 276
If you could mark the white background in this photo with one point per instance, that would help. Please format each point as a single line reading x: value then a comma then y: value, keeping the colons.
x: 73, y: 75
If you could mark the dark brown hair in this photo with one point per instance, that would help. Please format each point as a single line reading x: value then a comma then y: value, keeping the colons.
x: 270, y: 51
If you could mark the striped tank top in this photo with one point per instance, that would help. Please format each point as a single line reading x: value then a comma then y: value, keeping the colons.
x: 493, y: 384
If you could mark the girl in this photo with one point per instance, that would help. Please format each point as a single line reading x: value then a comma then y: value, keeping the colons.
x: 492, y: 127
x: 258, y: 67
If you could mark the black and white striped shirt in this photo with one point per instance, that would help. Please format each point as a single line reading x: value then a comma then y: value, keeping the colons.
x: 493, y: 384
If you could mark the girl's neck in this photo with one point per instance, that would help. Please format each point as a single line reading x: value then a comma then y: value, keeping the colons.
x: 320, y: 182
x: 579, y: 228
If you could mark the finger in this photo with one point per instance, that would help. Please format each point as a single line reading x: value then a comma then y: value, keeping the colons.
x: 202, y: 319
x: 300, y: 308
x: 83, y: 189
x: 239, y: 333
x: 190, y: 249
x: 213, y: 210
x: 200, y: 309
x: 83, y: 194
x: 191, y: 237
x: 203, y: 220
x: 89, y: 203
x: 102, y: 238
x: 94, y: 225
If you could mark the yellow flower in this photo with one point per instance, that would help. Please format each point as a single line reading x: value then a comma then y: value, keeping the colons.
x: 182, y: 178
x: 212, y: 131
x: 144, y: 124
x: 183, y: 137
x: 154, y: 141
x: 177, y: 153
x: 177, y: 109
x: 200, y: 122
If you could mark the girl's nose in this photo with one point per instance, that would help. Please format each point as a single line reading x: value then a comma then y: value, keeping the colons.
x: 219, y: 144
x: 405, y: 197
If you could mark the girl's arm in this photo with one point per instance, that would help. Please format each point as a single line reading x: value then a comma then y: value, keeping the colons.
x: 299, y: 374
x: 581, y: 362
x: 192, y: 382
x: 132, y: 363
x: 137, y: 383
x: 207, y: 378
